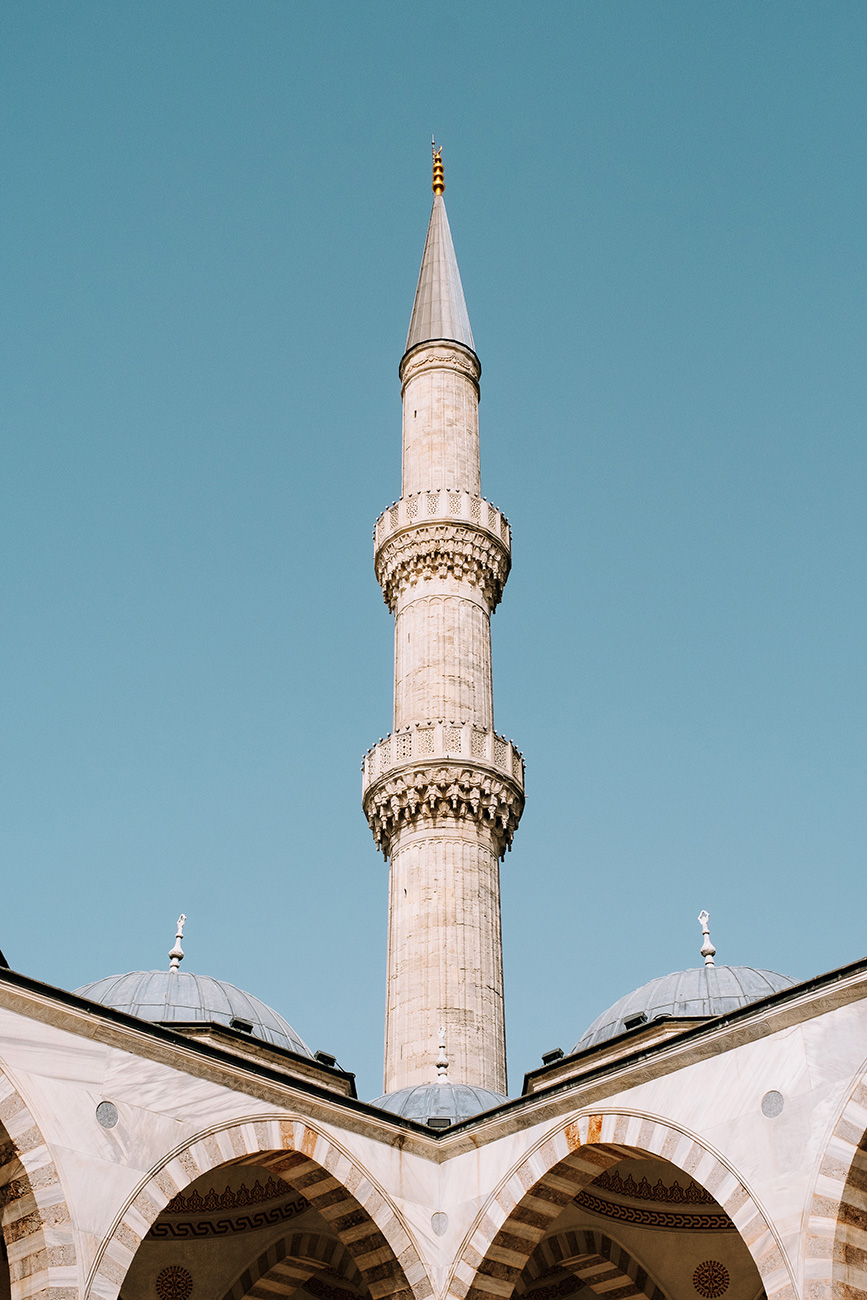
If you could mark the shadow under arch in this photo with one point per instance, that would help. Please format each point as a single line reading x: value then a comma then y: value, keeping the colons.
x: 291, y: 1262
x: 34, y: 1216
x: 835, y: 1265
x: 595, y: 1261
x: 527, y: 1201
x: 364, y: 1220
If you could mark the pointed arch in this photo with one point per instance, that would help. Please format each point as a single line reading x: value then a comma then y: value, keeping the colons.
x: 835, y: 1265
x: 519, y: 1212
x: 295, y: 1259
x: 34, y: 1215
x: 596, y: 1261
x: 363, y: 1219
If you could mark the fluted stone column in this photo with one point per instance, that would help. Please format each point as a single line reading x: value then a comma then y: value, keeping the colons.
x: 443, y: 794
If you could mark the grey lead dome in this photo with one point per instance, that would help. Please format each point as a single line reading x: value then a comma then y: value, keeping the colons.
x: 452, y: 1101
x: 691, y: 994
x: 176, y: 996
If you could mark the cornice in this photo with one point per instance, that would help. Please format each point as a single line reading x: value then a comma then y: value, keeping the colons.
x: 591, y: 1087
x: 441, y: 549
x: 440, y: 792
x: 440, y: 354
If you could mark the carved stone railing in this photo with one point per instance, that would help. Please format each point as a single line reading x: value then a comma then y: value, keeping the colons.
x: 440, y: 771
x: 442, y: 533
x: 442, y: 504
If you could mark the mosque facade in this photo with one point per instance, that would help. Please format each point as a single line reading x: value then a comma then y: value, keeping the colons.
x: 167, y: 1136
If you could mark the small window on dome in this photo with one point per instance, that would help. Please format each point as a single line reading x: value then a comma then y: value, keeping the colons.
x: 245, y: 1026
x: 439, y: 1121
x: 635, y: 1022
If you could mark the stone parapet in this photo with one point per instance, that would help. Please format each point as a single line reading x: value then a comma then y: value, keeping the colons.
x: 442, y: 505
x: 443, y: 771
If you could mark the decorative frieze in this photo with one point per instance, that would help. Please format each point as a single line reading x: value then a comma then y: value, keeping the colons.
x: 437, y: 357
x: 230, y: 1198
x: 446, y: 504
x: 668, y: 1221
x: 440, y: 550
x: 665, y: 1193
x: 440, y: 741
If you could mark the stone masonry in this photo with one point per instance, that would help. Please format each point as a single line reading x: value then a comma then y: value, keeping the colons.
x: 443, y: 793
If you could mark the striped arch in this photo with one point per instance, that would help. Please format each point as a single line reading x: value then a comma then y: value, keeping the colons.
x: 595, y: 1261
x: 291, y: 1262
x: 525, y: 1205
x: 310, y: 1162
x: 836, y: 1244
x: 35, y: 1219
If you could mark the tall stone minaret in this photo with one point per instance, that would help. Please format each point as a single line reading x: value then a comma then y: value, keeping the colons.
x: 443, y: 793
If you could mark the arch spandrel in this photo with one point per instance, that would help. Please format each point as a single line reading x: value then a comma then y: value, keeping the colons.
x: 355, y: 1209
x: 524, y: 1207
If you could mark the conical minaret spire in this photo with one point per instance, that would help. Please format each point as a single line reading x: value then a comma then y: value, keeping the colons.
x: 443, y: 794
x: 440, y: 309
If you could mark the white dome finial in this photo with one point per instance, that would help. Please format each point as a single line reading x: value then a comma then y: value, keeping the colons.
x: 708, y: 951
x: 176, y: 956
x: 442, y: 1059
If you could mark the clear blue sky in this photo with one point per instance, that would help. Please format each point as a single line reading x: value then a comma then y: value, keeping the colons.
x: 212, y: 221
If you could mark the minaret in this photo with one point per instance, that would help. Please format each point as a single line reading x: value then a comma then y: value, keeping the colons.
x: 443, y: 793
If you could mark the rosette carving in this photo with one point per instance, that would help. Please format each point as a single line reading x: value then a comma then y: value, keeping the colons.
x: 449, y: 791
x: 443, y: 550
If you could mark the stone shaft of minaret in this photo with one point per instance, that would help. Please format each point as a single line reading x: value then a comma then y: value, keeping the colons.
x: 443, y: 793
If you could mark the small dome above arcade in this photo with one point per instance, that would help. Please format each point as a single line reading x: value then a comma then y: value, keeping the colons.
x: 696, y: 994
x: 440, y: 1104
x: 180, y: 997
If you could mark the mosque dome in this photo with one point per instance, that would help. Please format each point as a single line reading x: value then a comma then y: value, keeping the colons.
x: 176, y: 996
x: 443, y: 1102
x: 688, y: 994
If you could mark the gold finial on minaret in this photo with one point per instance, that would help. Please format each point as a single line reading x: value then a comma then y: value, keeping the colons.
x: 439, y: 180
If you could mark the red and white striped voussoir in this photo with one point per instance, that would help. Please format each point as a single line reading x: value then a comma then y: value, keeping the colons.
x: 37, y: 1225
x: 289, y: 1262
x: 523, y: 1207
x: 596, y: 1261
x: 310, y: 1162
x: 835, y: 1263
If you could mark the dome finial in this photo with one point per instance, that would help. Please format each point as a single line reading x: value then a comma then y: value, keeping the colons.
x: 439, y: 180
x: 176, y: 955
x: 708, y: 951
x: 442, y: 1059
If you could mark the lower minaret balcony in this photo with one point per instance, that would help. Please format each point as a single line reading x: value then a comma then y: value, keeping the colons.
x: 442, y: 533
x: 443, y: 772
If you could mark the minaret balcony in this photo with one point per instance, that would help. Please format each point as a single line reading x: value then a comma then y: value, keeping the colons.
x: 442, y: 533
x: 441, y: 503
x: 443, y: 770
